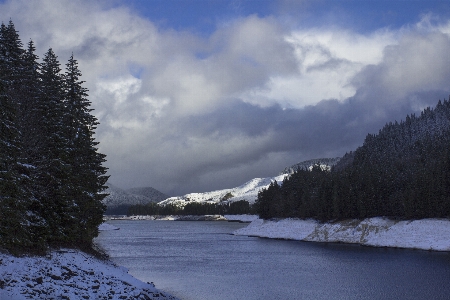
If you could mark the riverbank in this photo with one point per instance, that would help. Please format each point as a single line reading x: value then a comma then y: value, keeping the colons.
x: 70, y: 274
x: 230, y: 218
x: 426, y: 234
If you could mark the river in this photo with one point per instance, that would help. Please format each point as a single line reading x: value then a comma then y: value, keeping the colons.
x: 203, y: 261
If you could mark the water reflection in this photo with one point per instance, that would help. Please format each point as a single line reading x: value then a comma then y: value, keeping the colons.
x: 201, y: 260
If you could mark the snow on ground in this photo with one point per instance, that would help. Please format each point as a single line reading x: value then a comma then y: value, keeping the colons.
x: 291, y: 229
x: 241, y: 218
x: 426, y: 234
x: 70, y: 274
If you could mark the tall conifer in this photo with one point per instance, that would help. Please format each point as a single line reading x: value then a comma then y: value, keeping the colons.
x: 51, y: 174
x: 88, y: 175
x: 53, y: 167
x: 32, y: 134
x: 13, y: 227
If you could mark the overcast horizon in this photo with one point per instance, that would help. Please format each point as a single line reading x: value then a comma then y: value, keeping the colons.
x: 196, y: 95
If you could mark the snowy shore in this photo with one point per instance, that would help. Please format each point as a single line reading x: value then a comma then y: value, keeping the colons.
x: 70, y: 274
x: 241, y: 218
x: 231, y: 218
x: 426, y: 234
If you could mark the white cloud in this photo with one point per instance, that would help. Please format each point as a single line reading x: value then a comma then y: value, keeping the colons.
x: 327, y: 61
x: 164, y: 97
x: 120, y: 88
x: 417, y: 63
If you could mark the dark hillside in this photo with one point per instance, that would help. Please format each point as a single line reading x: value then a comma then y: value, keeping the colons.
x: 153, y: 194
x: 401, y: 172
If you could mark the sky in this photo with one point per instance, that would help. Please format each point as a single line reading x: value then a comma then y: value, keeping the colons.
x: 196, y: 95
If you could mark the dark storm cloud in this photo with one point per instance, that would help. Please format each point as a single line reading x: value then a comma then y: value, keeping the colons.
x: 183, y: 112
x: 330, y: 126
x: 328, y: 129
x: 234, y: 140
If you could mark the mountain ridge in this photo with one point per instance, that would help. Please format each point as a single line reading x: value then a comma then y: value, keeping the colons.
x: 249, y: 190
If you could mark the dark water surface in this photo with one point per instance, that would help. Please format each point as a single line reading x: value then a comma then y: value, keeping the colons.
x: 202, y: 261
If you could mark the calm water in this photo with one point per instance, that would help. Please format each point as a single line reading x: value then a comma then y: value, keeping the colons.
x: 201, y: 260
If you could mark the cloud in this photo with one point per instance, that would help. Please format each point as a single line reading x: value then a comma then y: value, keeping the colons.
x: 327, y: 61
x: 189, y: 113
x: 419, y: 62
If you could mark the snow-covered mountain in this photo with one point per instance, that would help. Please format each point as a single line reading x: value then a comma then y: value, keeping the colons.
x: 249, y: 190
x: 118, y: 200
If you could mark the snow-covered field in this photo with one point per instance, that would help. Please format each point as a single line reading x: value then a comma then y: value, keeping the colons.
x: 426, y: 234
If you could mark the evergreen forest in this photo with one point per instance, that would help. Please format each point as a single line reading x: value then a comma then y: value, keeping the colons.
x: 403, y: 172
x: 51, y: 173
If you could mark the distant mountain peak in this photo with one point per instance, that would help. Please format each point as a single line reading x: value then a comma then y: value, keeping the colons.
x: 148, y: 192
x: 118, y: 200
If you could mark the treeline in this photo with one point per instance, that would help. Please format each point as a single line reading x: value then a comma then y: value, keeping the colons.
x: 51, y: 174
x: 401, y: 172
x: 193, y: 208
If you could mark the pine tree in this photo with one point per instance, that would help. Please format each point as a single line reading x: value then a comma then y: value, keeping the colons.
x: 51, y: 174
x: 12, y: 67
x: 52, y: 167
x: 13, y: 77
x: 11, y: 55
x: 88, y: 175
x: 13, y: 233
x: 31, y: 91
x: 32, y: 135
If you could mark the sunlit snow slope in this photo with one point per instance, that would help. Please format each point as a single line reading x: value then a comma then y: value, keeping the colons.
x: 249, y: 190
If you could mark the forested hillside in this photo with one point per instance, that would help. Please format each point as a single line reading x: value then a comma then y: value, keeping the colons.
x: 51, y: 174
x: 401, y: 172
x: 324, y: 163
